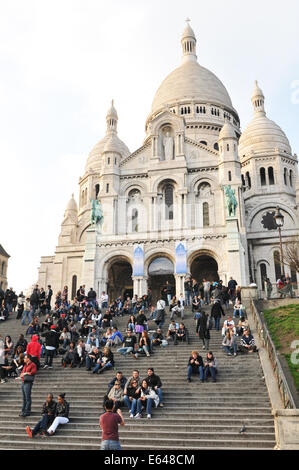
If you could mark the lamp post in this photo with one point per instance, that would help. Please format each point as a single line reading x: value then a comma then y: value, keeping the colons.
x: 279, y: 219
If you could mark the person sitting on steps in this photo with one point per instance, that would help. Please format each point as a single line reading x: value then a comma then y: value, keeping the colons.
x: 195, y: 366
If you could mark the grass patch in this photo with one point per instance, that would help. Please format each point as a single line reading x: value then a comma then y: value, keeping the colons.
x: 283, y: 325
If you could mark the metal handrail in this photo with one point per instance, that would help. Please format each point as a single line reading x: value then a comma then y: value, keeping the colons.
x: 265, y: 337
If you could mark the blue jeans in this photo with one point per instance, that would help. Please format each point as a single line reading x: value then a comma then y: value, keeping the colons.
x: 217, y: 323
x: 99, y: 366
x: 200, y: 370
x: 43, y: 423
x: 130, y: 404
x: 110, y: 445
x: 168, y: 298
x: 210, y: 371
x: 149, y: 402
x: 26, y: 314
x: 188, y: 297
x: 231, y: 349
x: 159, y: 393
x: 26, y: 391
x: 125, y: 351
x: 238, y: 312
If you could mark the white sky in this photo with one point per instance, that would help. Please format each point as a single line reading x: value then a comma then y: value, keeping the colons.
x: 61, y: 63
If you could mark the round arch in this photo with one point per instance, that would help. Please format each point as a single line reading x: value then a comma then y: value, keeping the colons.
x: 161, y: 280
x: 119, y: 272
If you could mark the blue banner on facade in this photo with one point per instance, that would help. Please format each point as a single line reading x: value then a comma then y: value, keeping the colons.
x: 181, y: 259
x: 138, y: 267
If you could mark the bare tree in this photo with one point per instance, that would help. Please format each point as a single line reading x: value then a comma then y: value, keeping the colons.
x: 290, y: 254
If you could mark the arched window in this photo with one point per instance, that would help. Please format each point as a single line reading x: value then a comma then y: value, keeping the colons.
x: 227, y: 147
x: 263, y: 271
x: 97, y: 190
x: 263, y: 176
x: 277, y: 265
x: 74, y: 286
x: 168, y: 192
x: 243, y: 183
x: 203, y: 142
x: 271, y: 175
x: 107, y: 187
x: 216, y: 146
x: 205, y: 214
x: 291, y: 178
x: 135, y: 220
x: 248, y: 180
x: 285, y: 171
x: 229, y: 176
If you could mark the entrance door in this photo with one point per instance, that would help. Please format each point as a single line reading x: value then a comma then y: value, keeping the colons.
x: 120, y: 283
x: 161, y: 274
x: 204, y: 267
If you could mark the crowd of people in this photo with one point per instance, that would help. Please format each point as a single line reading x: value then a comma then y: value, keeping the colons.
x: 83, y: 332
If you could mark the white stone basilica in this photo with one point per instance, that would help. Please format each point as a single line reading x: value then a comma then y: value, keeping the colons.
x: 164, y: 205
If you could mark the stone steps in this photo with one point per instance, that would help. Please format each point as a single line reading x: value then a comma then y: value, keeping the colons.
x: 195, y: 416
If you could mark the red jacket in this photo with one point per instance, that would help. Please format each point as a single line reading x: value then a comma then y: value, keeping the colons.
x: 31, y: 368
x: 34, y: 348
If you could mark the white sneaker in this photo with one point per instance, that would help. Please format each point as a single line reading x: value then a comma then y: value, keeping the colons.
x: 149, y: 416
x: 138, y: 416
x: 131, y: 415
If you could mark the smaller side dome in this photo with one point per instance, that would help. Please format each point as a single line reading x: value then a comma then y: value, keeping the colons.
x: 72, y: 205
x: 227, y: 132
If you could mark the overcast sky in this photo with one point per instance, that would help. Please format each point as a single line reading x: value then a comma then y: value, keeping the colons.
x: 61, y: 63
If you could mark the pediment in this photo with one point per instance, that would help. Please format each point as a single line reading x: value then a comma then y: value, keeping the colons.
x: 138, y: 159
x: 196, y: 152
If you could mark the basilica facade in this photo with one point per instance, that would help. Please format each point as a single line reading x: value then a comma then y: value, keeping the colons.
x: 166, y: 206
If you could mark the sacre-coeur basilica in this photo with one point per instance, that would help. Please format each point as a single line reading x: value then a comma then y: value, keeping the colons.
x: 197, y: 198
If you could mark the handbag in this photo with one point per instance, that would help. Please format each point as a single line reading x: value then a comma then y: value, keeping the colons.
x: 28, y: 378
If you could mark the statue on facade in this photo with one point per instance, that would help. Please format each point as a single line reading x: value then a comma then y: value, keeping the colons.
x: 231, y: 201
x: 168, y: 146
x: 97, y: 217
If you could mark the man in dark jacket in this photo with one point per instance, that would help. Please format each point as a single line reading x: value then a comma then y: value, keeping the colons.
x: 216, y: 312
x: 195, y: 365
x: 48, y: 415
x: 155, y: 383
x: 92, y: 297
x: 52, y: 343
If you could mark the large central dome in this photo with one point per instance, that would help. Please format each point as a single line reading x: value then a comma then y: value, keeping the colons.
x: 191, y: 81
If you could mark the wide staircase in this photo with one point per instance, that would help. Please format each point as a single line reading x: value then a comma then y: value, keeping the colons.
x: 195, y: 415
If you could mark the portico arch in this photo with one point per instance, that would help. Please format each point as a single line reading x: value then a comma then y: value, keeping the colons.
x: 203, y: 264
x: 160, y: 268
x: 119, y: 277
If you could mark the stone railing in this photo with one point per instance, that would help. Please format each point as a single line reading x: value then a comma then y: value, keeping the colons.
x: 265, y: 338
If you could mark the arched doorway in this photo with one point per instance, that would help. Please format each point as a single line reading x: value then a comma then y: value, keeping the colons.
x: 120, y: 283
x: 204, y: 267
x: 161, y: 272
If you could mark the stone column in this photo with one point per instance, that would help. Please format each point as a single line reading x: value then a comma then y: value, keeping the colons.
x: 179, y: 284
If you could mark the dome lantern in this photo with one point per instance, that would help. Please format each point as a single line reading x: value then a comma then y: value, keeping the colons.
x: 258, y: 100
x: 188, y: 44
x: 111, y: 119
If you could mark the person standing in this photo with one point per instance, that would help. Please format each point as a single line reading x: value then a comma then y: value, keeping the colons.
x: 188, y: 291
x: 49, y: 294
x: 206, y: 291
x: 27, y: 376
x: 109, y: 423
x: 52, y: 344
